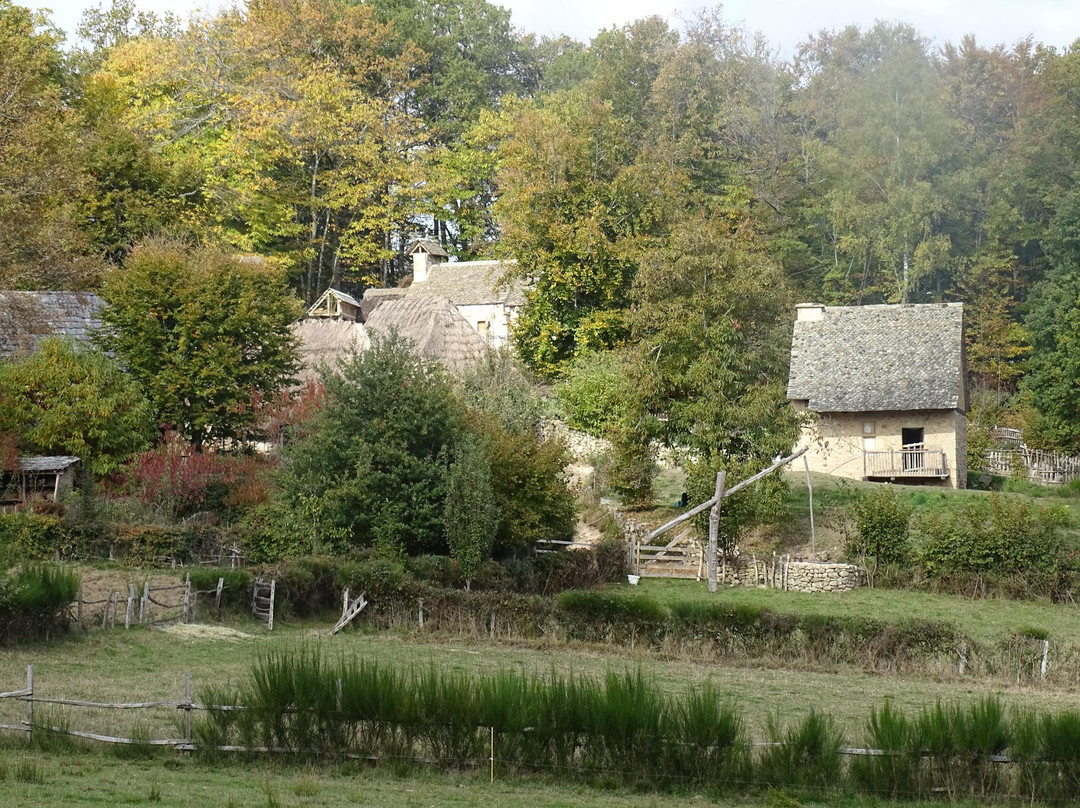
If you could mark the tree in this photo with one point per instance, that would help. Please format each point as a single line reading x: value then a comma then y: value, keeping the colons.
x: 202, y: 333
x: 374, y: 463
x: 707, y: 365
x: 40, y: 245
x: 77, y: 401
x: 470, y: 511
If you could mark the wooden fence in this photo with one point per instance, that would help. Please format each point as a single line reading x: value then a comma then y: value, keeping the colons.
x: 187, y: 706
x: 1038, y: 466
x: 137, y: 608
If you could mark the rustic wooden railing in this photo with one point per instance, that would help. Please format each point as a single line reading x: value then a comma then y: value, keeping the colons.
x: 913, y: 462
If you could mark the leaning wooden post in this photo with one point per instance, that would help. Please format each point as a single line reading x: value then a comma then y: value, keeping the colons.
x: 714, y: 528
x: 186, y: 618
x: 29, y: 703
x: 105, y: 614
x: 273, y: 587
x: 810, y: 489
x: 129, y: 615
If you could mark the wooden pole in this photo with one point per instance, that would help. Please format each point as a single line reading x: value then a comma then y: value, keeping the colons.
x: 187, y: 707
x: 810, y: 488
x: 144, y: 605
x: 704, y: 506
x: 105, y: 614
x: 493, y: 754
x: 273, y: 587
x: 420, y: 612
x: 345, y: 604
x: 217, y: 596
x: 186, y: 617
x: 714, y: 527
x: 1045, y: 653
x: 29, y: 703
x: 129, y: 614
x: 78, y: 608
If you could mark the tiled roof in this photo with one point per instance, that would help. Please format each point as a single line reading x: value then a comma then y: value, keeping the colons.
x: 879, y: 358
x: 46, y: 465
x: 430, y: 246
x: 26, y: 318
x: 472, y: 283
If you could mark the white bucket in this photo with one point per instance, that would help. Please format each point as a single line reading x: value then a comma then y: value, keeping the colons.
x: 633, y: 579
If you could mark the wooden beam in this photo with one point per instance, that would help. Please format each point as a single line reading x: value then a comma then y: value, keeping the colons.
x: 704, y: 506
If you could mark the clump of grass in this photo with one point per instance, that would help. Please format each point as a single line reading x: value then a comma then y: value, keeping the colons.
x: 28, y: 771
x: 806, y: 755
x: 895, y: 773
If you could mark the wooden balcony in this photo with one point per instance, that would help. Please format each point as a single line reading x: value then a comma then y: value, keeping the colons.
x: 911, y: 463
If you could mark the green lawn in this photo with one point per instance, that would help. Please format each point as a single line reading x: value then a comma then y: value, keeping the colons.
x: 986, y: 620
x: 91, y: 778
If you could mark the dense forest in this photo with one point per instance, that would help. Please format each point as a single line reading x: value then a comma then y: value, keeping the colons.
x: 670, y: 191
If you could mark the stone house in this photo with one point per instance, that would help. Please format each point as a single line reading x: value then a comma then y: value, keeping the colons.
x: 37, y: 479
x: 478, y: 289
x: 27, y: 318
x: 888, y: 386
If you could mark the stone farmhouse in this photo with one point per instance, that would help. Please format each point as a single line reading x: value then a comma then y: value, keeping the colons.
x: 477, y: 288
x: 888, y: 386
x: 27, y: 318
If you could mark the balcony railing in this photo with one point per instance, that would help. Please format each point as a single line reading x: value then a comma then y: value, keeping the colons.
x: 910, y: 462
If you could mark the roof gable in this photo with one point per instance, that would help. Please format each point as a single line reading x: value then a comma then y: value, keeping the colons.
x: 434, y: 326
x: 879, y: 358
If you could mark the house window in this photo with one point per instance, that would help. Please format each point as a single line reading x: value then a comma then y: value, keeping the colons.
x: 868, y: 428
x: 482, y: 327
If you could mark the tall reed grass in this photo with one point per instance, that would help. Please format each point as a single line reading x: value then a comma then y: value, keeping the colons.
x: 625, y: 729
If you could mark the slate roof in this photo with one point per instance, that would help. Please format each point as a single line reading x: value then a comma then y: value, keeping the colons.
x: 430, y: 246
x: 46, y: 465
x: 26, y: 318
x: 471, y: 283
x: 879, y: 358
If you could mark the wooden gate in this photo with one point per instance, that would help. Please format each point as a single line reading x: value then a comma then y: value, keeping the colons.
x: 681, y: 557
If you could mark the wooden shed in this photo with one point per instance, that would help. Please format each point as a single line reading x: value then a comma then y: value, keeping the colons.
x: 42, y: 479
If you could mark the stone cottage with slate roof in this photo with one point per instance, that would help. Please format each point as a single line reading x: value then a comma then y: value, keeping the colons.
x: 26, y: 318
x: 888, y: 384
x: 477, y: 288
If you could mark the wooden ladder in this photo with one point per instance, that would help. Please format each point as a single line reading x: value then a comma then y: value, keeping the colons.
x: 262, y: 601
x: 349, y: 610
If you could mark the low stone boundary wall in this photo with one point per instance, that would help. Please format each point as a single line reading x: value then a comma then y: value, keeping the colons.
x: 808, y: 576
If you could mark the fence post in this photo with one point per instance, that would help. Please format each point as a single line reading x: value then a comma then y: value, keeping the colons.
x: 421, y: 612
x: 186, y: 617
x: 273, y: 587
x: 78, y: 608
x: 1045, y: 653
x: 217, y: 597
x: 129, y: 615
x: 714, y: 528
x: 493, y: 754
x: 963, y: 657
x: 105, y: 614
x: 29, y: 703
x: 187, y: 707
x: 144, y: 604
x: 345, y: 604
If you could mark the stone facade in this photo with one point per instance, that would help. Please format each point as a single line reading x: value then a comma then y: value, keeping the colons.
x: 837, y: 440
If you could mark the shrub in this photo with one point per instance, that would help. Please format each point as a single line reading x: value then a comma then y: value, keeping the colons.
x: 882, y: 527
x: 594, y: 393
x: 977, y: 547
x: 31, y: 536
x: 34, y: 602
x: 237, y: 584
x: 806, y: 754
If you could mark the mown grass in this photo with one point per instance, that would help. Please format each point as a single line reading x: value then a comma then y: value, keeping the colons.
x: 986, y: 620
x: 95, y: 778
x: 149, y: 664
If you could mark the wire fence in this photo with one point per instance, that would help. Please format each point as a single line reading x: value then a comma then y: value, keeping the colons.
x: 173, y: 602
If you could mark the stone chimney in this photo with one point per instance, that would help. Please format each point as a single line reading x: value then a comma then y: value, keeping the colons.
x: 809, y: 312
x: 426, y: 253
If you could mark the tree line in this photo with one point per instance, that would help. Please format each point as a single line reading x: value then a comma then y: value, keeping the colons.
x: 669, y: 191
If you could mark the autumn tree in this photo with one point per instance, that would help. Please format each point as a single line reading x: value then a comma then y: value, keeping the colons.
x: 40, y: 244
x: 203, y: 333
x: 74, y: 400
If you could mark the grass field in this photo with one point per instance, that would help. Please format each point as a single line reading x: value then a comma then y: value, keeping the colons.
x: 94, y: 778
x: 986, y: 620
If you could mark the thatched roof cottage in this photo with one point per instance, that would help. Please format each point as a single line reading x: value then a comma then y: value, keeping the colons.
x: 888, y: 384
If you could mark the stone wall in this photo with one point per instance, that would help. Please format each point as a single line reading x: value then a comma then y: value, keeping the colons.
x: 808, y: 576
